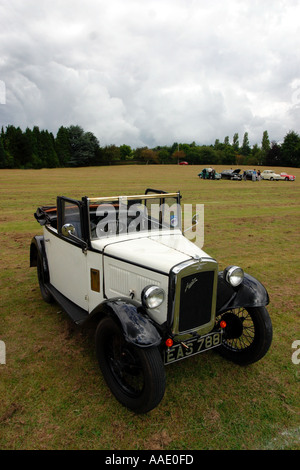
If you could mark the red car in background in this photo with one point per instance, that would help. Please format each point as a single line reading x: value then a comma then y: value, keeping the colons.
x: 287, y: 177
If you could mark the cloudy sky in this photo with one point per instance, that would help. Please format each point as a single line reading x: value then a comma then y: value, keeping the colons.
x: 152, y: 72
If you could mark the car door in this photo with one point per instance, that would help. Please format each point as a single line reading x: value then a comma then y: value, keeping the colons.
x: 67, y: 260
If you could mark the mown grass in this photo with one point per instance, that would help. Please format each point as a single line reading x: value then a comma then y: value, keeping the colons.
x: 52, y: 395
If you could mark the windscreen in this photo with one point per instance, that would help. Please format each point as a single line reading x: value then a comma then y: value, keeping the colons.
x: 116, y: 216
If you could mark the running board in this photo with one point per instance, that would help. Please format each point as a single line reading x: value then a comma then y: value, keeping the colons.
x: 77, y: 314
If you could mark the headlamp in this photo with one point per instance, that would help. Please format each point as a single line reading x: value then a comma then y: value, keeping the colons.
x: 152, y: 296
x: 234, y: 275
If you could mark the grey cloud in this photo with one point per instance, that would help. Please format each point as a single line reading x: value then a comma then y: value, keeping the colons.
x: 151, y: 73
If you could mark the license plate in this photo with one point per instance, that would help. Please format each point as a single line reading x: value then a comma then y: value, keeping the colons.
x: 191, y: 347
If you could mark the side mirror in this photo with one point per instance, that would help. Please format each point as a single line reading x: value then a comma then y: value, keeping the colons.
x: 67, y: 230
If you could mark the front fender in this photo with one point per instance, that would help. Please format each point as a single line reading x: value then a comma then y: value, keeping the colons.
x: 137, y: 328
x: 250, y: 293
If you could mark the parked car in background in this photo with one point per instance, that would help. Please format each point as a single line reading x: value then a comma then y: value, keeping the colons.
x: 209, y: 174
x: 287, y: 177
x: 231, y: 174
x: 271, y: 175
x: 247, y: 174
x: 183, y: 163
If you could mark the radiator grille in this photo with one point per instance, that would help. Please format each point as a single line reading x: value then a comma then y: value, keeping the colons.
x: 196, y: 294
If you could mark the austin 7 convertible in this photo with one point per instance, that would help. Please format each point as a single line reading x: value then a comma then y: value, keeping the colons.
x: 155, y: 296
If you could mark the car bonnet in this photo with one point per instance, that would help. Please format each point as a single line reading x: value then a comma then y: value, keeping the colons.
x: 158, y: 252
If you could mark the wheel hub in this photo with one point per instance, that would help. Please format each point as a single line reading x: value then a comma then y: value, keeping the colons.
x: 234, y: 328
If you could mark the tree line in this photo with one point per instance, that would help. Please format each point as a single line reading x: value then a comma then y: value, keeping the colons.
x: 74, y: 147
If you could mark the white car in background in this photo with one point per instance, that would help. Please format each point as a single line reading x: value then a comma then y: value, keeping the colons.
x: 271, y: 175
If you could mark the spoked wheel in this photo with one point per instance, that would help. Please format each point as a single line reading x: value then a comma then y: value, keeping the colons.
x: 136, y: 376
x: 247, y: 336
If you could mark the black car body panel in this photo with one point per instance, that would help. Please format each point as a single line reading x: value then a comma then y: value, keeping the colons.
x: 137, y: 327
x: 231, y: 174
x: 250, y: 293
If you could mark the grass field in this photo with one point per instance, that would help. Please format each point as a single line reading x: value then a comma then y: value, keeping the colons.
x: 52, y: 395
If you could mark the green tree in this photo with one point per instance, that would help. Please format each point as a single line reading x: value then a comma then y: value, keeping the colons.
x: 47, y: 149
x: 207, y: 155
x: 3, y: 158
x: 273, y: 157
x: 125, y: 152
x: 75, y: 136
x: 290, y: 150
x: 110, y: 154
x: 174, y: 148
x: 83, y: 145
x: 245, y: 149
x: 193, y: 155
x: 91, y: 145
x: 178, y: 156
x: 63, y: 146
x: 228, y: 155
x: 235, y: 143
x: 164, y: 155
x: 38, y: 156
x: 256, y: 156
x: 149, y: 156
x: 265, y: 146
x: 14, y: 145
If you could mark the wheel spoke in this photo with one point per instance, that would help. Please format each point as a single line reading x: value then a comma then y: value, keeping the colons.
x: 245, y: 337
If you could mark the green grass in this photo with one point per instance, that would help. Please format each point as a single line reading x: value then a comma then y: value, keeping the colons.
x: 52, y: 394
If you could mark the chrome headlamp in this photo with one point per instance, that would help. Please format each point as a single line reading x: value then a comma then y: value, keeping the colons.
x: 152, y: 296
x: 234, y: 275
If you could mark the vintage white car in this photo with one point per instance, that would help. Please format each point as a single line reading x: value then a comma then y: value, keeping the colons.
x: 270, y: 175
x: 156, y: 296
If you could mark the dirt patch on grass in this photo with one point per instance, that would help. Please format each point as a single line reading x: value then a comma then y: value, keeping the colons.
x: 159, y: 441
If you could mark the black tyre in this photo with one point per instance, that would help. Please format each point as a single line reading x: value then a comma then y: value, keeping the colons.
x: 41, y: 278
x: 247, y: 336
x: 136, y: 376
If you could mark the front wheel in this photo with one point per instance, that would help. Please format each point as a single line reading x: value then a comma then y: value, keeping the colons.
x: 247, y: 336
x: 136, y: 376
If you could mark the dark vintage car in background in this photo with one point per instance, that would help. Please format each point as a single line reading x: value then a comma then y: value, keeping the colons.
x: 248, y: 175
x: 209, y: 174
x: 231, y: 174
